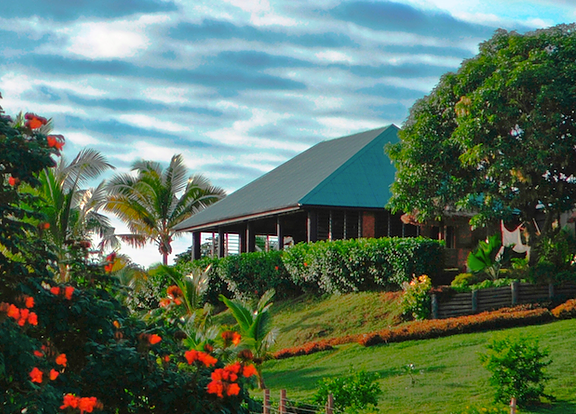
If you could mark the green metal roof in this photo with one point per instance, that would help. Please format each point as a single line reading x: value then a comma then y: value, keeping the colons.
x: 351, y: 171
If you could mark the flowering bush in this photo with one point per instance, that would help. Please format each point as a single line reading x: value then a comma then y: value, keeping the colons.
x: 305, y: 349
x: 74, y: 347
x: 567, y: 310
x: 416, y: 298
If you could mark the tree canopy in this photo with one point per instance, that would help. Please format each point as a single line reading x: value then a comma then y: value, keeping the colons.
x: 498, y: 137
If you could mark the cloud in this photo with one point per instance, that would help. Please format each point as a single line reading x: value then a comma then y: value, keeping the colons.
x: 398, y: 17
x: 66, y: 10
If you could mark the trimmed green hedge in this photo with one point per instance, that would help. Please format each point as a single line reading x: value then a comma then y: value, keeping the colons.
x: 339, y: 266
x: 344, y: 266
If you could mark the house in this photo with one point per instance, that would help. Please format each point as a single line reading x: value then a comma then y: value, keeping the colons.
x: 336, y: 189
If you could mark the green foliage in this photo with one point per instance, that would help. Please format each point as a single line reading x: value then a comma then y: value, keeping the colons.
x: 353, y: 393
x: 416, y: 298
x: 558, y: 250
x: 486, y: 258
x: 517, y: 368
x: 343, y: 266
x: 465, y: 146
x: 483, y: 410
x: 462, y: 281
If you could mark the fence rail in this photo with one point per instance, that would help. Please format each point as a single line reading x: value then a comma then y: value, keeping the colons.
x: 285, y: 406
x: 466, y: 303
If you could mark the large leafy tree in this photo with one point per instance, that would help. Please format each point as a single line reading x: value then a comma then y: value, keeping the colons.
x: 496, y: 138
x: 154, y: 200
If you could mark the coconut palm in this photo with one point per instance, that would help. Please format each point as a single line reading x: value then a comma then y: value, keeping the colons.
x: 153, y: 201
x: 73, y: 213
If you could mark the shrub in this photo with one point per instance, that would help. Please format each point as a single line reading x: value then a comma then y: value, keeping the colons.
x: 517, y: 368
x: 462, y: 281
x: 355, y: 392
x: 435, y: 328
x: 416, y: 298
x: 567, y: 310
x: 306, y: 349
x: 344, y: 266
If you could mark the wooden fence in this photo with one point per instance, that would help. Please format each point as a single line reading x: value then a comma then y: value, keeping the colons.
x: 285, y: 407
x: 466, y: 303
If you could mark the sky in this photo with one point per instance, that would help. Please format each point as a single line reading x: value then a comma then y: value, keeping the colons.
x: 236, y: 86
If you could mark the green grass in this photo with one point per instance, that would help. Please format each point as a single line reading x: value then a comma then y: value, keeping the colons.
x: 449, y: 375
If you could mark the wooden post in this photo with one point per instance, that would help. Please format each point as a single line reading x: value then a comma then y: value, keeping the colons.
x: 550, y: 291
x: 513, y: 406
x: 330, y: 404
x: 266, y: 404
x: 282, y: 407
x: 434, y: 302
x: 514, y: 289
x: 474, y: 301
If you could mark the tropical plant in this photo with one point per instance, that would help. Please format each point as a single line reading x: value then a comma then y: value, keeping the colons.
x: 488, y: 258
x: 191, y: 287
x: 517, y: 368
x: 416, y: 301
x: 72, y: 214
x: 154, y: 200
x: 255, y: 327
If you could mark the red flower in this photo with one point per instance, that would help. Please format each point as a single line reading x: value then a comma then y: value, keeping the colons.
x: 29, y: 302
x: 173, y: 291
x: 33, y: 319
x: 38, y: 354
x: 23, y: 316
x: 207, y: 360
x: 53, y: 374
x: 111, y: 257
x: 116, y: 324
x: 36, y: 375
x: 177, y: 301
x: 275, y: 267
x: 216, y: 387
x: 236, y: 338
x: 154, y: 339
x: 87, y: 404
x: 69, y: 290
x: 249, y: 371
x: 191, y: 356
x: 13, y: 181
x: 166, y: 358
x: 231, y: 337
x: 13, y: 312
x: 71, y: 401
x: 232, y: 389
x: 61, y: 360
x: 56, y: 141
x: 34, y: 121
x: 45, y: 226
x: 108, y: 267
x: 55, y: 290
x: 165, y: 302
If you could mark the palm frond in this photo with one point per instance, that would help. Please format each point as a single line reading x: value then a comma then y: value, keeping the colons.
x: 242, y: 314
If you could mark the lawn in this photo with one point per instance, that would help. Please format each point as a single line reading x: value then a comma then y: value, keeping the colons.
x: 448, y: 376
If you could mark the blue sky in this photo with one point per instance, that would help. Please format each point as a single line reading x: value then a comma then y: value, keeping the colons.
x: 236, y: 86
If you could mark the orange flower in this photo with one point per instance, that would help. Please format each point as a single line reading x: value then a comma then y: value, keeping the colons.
x: 231, y: 337
x: 38, y: 354
x: 116, y: 324
x: 23, y: 316
x: 61, y: 360
x: 236, y: 338
x: 154, y: 339
x: 166, y: 358
x: 29, y: 302
x: 87, y: 404
x: 34, y: 121
x: 233, y: 389
x: 206, y: 359
x: 13, y: 181
x: 36, y: 375
x: 191, y: 356
x: 235, y: 368
x: 56, y: 141
x: 53, y: 374
x: 69, y: 290
x: 174, y: 291
x: 45, y: 226
x: 33, y: 319
x: 177, y: 301
x: 164, y: 302
x: 249, y: 370
x: 108, y: 267
x: 13, y: 312
x: 216, y: 387
x: 70, y: 400
x: 55, y: 290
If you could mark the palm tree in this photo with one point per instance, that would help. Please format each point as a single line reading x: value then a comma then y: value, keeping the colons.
x: 73, y: 213
x: 255, y: 327
x: 153, y: 201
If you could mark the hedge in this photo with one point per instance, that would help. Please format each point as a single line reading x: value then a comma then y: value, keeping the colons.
x: 324, y: 267
x: 344, y: 266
